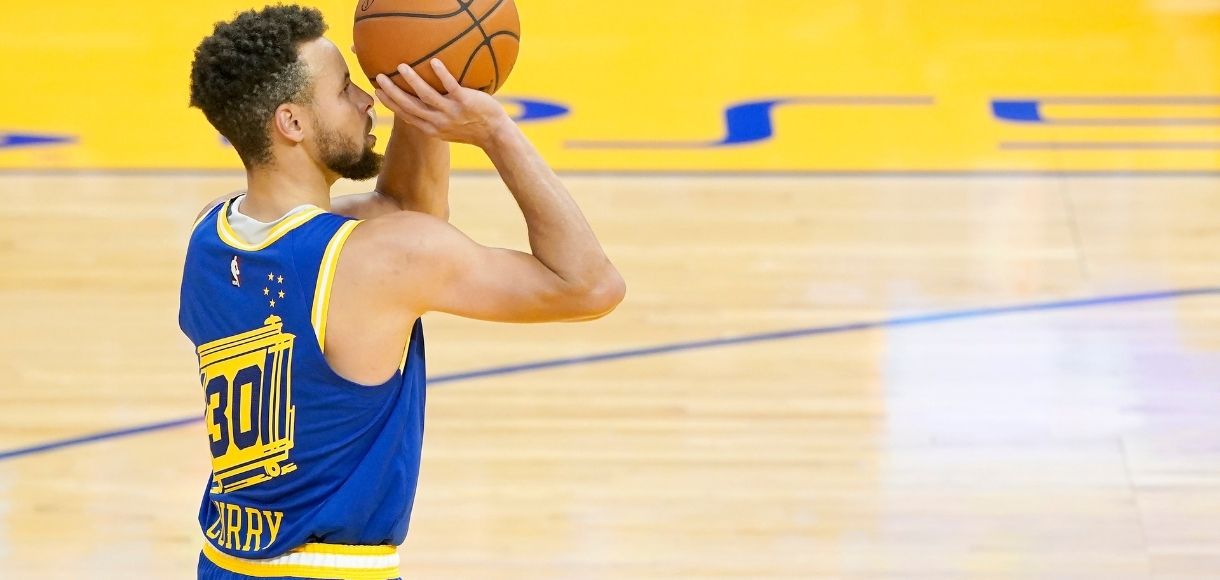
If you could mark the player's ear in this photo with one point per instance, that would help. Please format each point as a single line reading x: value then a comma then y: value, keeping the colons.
x: 289, y: 122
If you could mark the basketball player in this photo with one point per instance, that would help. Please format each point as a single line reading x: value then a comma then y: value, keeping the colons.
x: 305, y: 311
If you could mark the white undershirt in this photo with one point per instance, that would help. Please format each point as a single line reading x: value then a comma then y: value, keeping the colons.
x: 252, y: 231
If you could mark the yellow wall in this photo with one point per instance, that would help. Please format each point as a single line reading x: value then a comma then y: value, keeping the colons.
x: 880, y: 85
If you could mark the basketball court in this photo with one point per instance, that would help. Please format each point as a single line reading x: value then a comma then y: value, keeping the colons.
x: 916, y: 290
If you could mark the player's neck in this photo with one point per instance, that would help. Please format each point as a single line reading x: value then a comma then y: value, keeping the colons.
x: 274, y: 190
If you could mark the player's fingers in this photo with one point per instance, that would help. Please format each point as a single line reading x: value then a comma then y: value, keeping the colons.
x: 451, y: 84
x: 424, y: 125
x: 388, y: 102
x: 390, y: 93
x: 397, y: 107
x: 427, y: 128
x: 424, y: 90
x: 419, y: 111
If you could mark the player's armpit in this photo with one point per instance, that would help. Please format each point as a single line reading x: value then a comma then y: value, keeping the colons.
x: 424, y: 264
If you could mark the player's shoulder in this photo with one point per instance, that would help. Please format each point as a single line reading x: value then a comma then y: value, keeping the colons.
x: 212, y: 205
x: 399, y: 231
x: 393, y: 244
x: 394, y: 251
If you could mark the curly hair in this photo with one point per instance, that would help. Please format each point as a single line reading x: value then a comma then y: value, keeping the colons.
x: 247, y: 68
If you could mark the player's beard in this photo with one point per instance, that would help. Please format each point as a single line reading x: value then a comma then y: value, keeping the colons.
x: 350, y: 160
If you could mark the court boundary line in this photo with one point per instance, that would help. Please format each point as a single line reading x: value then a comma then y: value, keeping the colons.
x: 896, y: 322
x: 635, y: 173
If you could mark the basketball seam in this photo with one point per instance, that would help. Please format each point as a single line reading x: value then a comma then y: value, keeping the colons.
x: 406, y: 15
x: 495, y: 64
x: 451, y: 41
x: 508, y: 33
x: 470, y: 61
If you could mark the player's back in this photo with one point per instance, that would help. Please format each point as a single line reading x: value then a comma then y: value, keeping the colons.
x: 300, y: 455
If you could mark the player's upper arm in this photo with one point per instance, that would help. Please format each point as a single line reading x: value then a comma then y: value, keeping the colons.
x: 424, y: 264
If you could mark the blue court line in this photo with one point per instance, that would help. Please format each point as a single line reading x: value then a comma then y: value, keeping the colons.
x: 97, y: 437
x: 898, y: 322
x: 648, y: 173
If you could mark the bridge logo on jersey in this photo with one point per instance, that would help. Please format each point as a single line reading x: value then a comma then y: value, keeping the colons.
x: 250, y: 418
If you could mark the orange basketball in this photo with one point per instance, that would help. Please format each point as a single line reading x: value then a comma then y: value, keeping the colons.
x: 476, y: 39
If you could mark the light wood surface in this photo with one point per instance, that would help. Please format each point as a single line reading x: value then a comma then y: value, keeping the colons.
x: 1077, y: 443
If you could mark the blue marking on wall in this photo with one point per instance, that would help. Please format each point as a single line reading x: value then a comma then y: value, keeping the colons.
x: 751, y: 122
x: 902, y: 321
x: 534, y: 110
x: 1016, y: 111
x: 20, y: 140
x: 1029, y: 110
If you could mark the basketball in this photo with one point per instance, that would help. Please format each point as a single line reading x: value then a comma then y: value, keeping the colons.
x: 476, y: 39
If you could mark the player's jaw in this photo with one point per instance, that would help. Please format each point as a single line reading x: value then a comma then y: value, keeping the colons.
x: 351, y: 158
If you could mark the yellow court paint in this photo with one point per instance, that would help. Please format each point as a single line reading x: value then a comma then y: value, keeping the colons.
x: 866, y: 85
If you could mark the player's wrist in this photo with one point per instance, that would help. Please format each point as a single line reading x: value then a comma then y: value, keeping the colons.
x: 501, y: 132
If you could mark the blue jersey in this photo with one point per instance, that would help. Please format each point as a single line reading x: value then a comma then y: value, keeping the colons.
x: 299, y: 454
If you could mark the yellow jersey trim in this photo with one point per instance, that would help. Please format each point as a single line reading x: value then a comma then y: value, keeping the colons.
x: 326, y: 279
x: 262, y: 569
x: 230, y: 237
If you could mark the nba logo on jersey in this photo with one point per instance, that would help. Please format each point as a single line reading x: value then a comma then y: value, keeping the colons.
x: 236, y: 271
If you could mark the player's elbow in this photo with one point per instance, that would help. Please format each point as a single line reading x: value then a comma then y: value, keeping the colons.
x: 602, y: 296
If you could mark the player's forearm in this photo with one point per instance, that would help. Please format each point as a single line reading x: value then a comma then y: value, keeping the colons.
x: 560, y: 236
x: 416, y: 171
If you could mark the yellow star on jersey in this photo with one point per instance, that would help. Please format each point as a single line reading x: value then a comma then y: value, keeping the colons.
x: 281, y: 280
x: 267, y: 291
x: 270, y: 276
x: 281, y: 293
x: 273, y: 304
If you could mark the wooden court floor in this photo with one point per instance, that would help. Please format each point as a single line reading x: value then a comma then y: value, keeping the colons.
x: 991, y: 378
